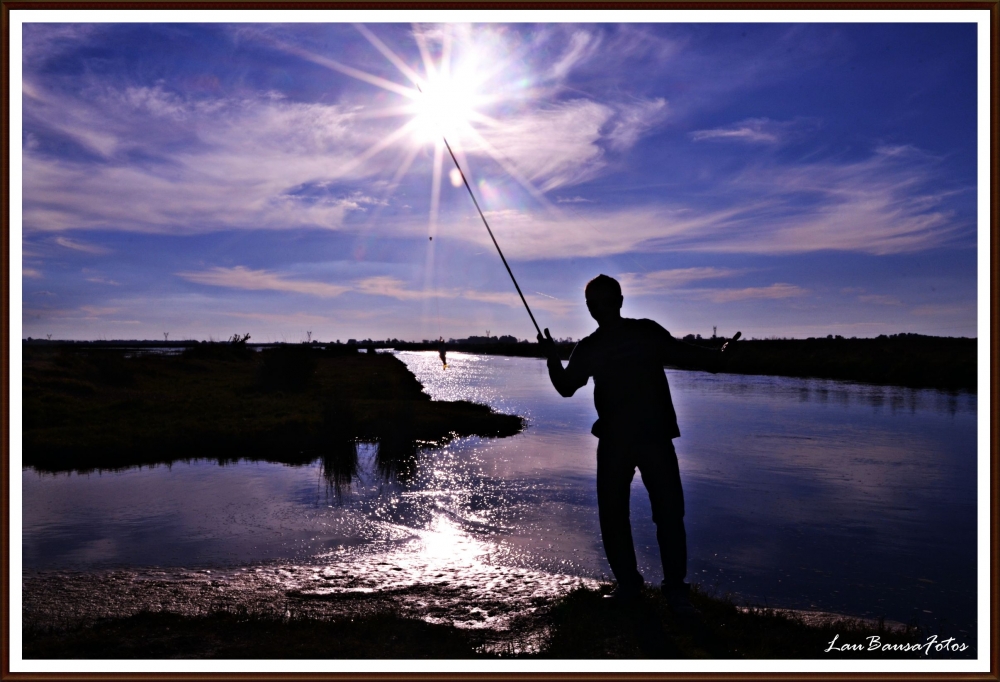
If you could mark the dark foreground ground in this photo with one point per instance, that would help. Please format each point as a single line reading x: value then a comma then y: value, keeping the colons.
x: 579, y: 625
x: 90, y: 407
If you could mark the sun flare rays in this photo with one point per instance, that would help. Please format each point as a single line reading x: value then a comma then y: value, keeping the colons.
x: 448, y: 95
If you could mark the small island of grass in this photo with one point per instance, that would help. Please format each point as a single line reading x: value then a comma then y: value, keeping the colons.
x: 88, y: 407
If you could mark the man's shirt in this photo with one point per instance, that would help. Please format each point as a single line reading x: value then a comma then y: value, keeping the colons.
x: 630, y: 385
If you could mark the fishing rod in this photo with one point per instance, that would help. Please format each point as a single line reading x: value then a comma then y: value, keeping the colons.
x: 509, y: 272
x: 471, y: 194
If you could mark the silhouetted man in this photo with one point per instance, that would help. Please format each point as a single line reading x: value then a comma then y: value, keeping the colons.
x: 636, y: 426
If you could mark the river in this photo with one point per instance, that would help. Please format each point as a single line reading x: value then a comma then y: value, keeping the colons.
x: 800, y: 493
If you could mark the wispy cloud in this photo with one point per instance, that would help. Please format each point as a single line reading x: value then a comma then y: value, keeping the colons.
x: 224, y: 163
x: 291, y: 319
x: 103, y: 280
x: 633, y: 120
x: 758, y: 131
x: 31, y: 272
x: 944, y: 309
x: 75, y: 245
x: 44, y: 40
x: 98, y: 311
x: 582, y: 45
x: 530, y: 235
x: 564, y: 144
x: 879, y: 299
x: 553, y: 146
x: 639, y: 284
x: 229, y: 163
x: 240, y: 277
x: 775, y: 291
x: 396, y: 288
x: 673, y: 281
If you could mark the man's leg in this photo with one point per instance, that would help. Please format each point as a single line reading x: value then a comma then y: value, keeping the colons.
x: 614, y: 478
x: 661, y: 476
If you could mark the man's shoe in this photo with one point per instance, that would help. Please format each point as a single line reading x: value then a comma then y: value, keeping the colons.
x: 679, y: 599
x: 623, y: 595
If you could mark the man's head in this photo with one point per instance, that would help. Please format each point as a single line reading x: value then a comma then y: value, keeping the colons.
x: 604, y: 299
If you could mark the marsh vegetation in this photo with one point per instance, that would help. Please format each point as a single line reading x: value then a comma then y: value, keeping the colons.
x: 88, y: 408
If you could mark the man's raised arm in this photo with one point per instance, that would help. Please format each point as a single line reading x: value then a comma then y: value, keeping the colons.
x: 565, y: 381
x: 683, y: 354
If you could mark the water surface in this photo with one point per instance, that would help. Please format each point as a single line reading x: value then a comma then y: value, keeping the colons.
x: 800, y: 493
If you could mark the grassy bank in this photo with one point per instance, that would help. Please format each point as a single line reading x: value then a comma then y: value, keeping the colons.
x: 97, y: 408
x: 580, y: 625
x: 910, y: 360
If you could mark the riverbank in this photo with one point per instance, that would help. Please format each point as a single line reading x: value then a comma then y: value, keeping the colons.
x: 908, y: 360
x: 89, y: 407
x: 579, y: 625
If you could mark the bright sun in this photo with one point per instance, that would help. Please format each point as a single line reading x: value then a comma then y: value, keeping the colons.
x: 445, y: 107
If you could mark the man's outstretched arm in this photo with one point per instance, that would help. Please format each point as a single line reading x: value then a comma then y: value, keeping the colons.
x: 566, y: 382
x: 683, y: 354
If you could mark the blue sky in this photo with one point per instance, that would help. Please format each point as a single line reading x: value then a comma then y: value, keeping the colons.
x: 786, y: 179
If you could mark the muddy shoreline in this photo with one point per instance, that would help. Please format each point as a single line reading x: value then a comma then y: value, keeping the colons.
x: 294, y: 612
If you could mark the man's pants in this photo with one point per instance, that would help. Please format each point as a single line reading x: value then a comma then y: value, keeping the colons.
x: 617, y: 458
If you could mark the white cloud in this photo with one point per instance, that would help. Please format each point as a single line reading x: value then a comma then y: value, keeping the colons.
x: 639, y: 284
x: 879, y: 299
x: 551, y: 147
x: 230, y: 162
x: 564, y: 144
x: 44, y: 41
x: 103, y: 280
x: 530, y: 235
x: 582, y: 46
x: 945, y: 310
x: 393, y: 288
x: 635, y: 119
x: 226, y: 164
x: 396, y: 288
x: 775, y: 291
x: 241, y: 277
x: 290, y: 319
x: 98, y: 311
x: 674, y: 280
x: 758, y: 131
x: 884, y: 204
x: 880, y: 205
x: 80, y: 246
x: 31, y: 272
